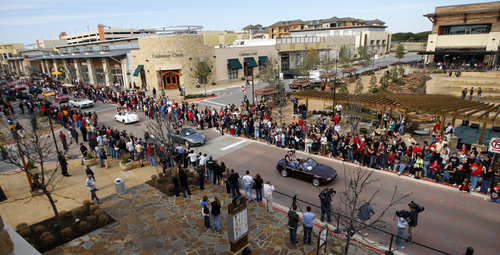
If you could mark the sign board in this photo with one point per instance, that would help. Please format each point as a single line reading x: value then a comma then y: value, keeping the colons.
x: 243, y: 89
x: 196, y: 82
x: 494, y: 145
x: 322, y: 236
x: 237, y: 224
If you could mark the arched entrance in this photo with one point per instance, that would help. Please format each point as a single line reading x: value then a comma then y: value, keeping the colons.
x: 170, y: 79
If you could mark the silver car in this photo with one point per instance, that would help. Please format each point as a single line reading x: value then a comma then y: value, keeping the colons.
x: 188, y: 137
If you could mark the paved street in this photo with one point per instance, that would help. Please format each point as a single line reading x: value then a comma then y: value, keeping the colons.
x: 451, y: 221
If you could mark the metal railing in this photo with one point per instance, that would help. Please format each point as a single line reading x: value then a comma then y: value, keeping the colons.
x: 338, y: 217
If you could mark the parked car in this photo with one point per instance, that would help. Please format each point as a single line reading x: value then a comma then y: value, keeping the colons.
x: 49, y: 93
x: 126, y: 117
x: 81, y: 103
x: 309, y: 170
x: 289, y: 74
x: 188, y: 137
x: 61, y: 98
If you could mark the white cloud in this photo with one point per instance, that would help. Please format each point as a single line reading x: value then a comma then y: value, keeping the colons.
x: 18, y: 6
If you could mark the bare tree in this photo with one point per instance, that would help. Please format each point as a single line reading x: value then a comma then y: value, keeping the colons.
x: 357, y: 181
x: 269, y: 72
x: 31, y: 148
x: 160, y: 129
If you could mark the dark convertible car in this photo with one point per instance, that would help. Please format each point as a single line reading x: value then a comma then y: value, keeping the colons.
x: 309, y: 170
x: 188, y: 137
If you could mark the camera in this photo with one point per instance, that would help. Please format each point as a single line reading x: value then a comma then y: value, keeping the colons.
x: 330, y: 191
x: 416, y: 206
x: 326, y: 194
x: 403, y: 214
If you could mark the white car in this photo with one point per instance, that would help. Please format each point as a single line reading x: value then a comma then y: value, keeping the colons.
x: 81, y: 103
x: 126, y: 117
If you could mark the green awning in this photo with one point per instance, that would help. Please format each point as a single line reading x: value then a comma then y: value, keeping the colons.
x: 205, y: 66
x: 234, y: 63
x: 263, y: 60
x: 250, y: 62
x: 138, y: 70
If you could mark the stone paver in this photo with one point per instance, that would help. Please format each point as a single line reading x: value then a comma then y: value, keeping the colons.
x: 146, y: 224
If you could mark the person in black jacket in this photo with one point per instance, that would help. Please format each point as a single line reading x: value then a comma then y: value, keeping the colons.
x: 415, y: 209
x: 293, y: 224
x: 63, y: 163
x: 215, y: 205
x: 183, y: 179
x: 89, y: 171
x: 234, y: 183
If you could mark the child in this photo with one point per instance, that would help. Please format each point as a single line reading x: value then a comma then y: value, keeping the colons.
x: 495, y: 196
x: 464, y: 186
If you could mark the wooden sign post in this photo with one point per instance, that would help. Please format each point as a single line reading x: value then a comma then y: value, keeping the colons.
x: 238, y: 224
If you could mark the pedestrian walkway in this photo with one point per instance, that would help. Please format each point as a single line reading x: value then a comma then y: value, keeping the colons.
x: 149, y: 222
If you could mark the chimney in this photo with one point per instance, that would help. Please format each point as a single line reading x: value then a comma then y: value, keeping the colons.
x: 100, y: 28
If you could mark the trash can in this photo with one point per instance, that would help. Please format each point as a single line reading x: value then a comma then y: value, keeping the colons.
x: 120, y: 186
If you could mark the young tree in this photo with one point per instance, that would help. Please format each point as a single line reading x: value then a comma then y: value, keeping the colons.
x: 359, y: 87
x: 269, y: 72
x: 373, y: 83
x: 327, y: 63
x: 344, y: 55
x: 364, y: 56
x: 160, y: 129
x: 201, y: 70
x: 311, y: 60
x: 35, y: 148
x: 400, y: 52
x: 343, y: 88
x: 357, y: 181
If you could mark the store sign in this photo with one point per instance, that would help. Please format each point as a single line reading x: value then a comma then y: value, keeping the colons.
x: 168, y: 55
x: 245, y: 53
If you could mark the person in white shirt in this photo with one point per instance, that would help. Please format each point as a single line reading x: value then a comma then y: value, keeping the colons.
x: 130, y: 148
x: 192, y: 158
x: 403, y: 218
x: 90, y: 183
x: 268, y: 195
x: 248, y: 181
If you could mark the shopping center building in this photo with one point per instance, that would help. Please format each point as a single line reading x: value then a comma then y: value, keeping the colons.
x: 464, y: 34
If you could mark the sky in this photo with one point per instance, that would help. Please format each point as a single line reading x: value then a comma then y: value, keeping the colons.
x: 25, y: 21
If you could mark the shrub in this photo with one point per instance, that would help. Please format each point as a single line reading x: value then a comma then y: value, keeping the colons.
x: 153, y: 177
x: 158, y: 181
x: 125, y: 158
x: 48, y: 239
x: 190, y: 180
x: 103, y: 219
x: 160, y: 175
x: 66, y: 233
x: 170, y: 189
x: 86, y: 203
x: 90, y: 155
x: 92, y: 220
x: 92, y: 208
x: 21, y: 226
x: 39, y: 229
x: 242, y: 78
x: 25, y: 232
x: 213, y: 83
x: 98, y: 212
x: 83, y: 225
x: 76, y: 212
x: 44, y: 234
x: 62, y: 214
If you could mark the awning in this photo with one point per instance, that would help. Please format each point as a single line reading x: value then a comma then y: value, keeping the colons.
x: 457, y: 52
x: 234, y: 63
x: 138, y: 70
x: 263, y: 60
x: 205, y: 66
x: 250, y: 62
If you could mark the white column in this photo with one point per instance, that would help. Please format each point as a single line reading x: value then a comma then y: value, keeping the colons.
x: 90, y: 66
x: 77, y: 70
x: 66, y: 70
x: 47, y: 67
x: 107, y: 72
x: 125, y: 76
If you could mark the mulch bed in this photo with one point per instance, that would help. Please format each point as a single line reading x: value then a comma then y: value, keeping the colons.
x: 163, y: 182
x: 45, y: 235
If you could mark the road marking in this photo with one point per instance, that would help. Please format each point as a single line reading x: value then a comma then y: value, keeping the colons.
x: 232, y: 145
x: 213, y: 102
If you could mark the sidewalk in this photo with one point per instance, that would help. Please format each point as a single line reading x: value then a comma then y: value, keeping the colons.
x: 69, y: 192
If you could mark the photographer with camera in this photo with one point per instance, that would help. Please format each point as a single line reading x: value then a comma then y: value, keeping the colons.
x: 403, y: 219
x: 326, y: 197
x: 415, y: 209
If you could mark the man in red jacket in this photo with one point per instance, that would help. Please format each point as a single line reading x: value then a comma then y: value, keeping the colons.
x: 475, y: 170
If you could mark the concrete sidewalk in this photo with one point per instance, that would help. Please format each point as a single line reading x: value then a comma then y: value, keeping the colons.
x: 69, y: 192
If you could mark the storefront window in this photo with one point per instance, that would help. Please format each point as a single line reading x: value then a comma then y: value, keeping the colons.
x: 466, y: 29
x: 231, y: 73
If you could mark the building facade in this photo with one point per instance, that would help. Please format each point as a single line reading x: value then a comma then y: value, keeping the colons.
x: 243, y: 59
x: 464, y: 34
x: 168, y: 61
x: 9, y: 53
